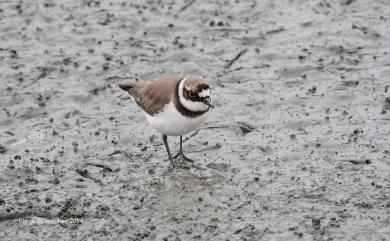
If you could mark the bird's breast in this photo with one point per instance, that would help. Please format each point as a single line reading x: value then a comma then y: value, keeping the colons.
x: 171, y: 122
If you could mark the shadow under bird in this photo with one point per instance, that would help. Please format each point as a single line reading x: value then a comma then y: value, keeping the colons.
x: 174, y: 106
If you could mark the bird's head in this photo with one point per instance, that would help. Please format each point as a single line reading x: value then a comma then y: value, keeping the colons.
x: 195, y: 94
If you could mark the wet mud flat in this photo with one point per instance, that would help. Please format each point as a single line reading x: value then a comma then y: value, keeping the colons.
x: 297, y: 148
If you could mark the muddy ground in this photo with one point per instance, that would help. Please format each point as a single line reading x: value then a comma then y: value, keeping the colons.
x: 297, y: 148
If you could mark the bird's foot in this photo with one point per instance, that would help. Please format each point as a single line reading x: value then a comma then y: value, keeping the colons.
x: 175, y: 165
x: 183, y: 157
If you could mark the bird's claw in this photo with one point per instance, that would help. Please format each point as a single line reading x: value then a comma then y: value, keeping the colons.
x: 183, y: 157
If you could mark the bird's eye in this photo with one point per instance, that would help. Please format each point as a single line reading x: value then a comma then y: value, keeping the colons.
x: 191, y: 94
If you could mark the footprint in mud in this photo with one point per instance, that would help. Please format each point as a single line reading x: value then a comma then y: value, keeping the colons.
x: 193, y: 178
x: 223, y: 167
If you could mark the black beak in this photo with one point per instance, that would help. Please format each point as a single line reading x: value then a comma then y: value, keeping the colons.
x: 207, y: 101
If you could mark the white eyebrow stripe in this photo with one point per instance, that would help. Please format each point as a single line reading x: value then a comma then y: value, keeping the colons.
x: 204, y: 93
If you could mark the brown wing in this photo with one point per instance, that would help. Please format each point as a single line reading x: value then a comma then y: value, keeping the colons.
x: 154, y: 96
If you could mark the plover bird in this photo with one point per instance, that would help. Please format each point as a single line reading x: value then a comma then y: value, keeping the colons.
x: 174, y: 106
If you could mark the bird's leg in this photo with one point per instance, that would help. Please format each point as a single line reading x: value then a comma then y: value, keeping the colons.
x: 180, y: 153
x: 180, y: 150
x: 165, y: 139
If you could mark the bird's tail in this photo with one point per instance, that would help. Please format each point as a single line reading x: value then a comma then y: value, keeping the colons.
x: 131, y: 87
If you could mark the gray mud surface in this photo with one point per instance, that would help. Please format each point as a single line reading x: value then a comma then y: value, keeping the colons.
x: 297, y: 148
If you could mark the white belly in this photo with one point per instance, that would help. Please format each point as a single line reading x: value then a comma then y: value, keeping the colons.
x: 172, y: 123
